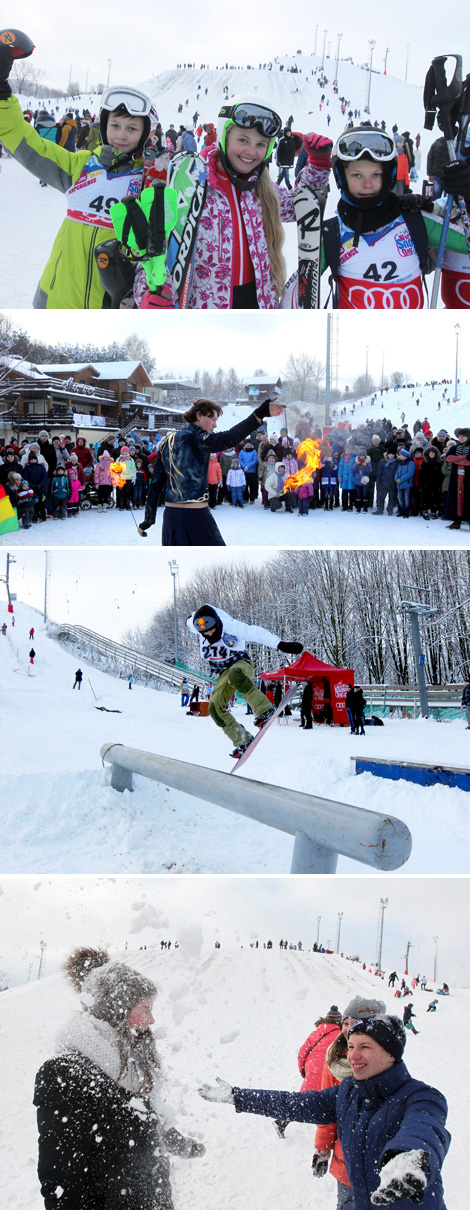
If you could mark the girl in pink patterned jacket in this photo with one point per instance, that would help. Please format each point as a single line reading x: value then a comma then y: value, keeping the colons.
x: 238, y: 261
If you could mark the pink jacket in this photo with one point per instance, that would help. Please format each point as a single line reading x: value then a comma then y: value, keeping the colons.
x: 311, y: 1055
x: 101, y: 475
x: 212, y: 286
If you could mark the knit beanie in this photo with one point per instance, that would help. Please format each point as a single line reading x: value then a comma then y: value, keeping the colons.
x: 109, y: 990
x: 333, y: 1014
x: 389, y: 1032
x: 363, y: 1006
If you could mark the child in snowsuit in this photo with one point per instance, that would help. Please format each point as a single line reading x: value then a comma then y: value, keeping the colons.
x: 329, y: 482
x: 61, y: 491
x: 74, y: 498
x: 361, y: 478
x: 102, y: 479
x: 430, y: 483
x: 404, y: 476
x: 377, y: 246
x: 236, y: 482
x: 214, y: 480
x: 91, y: 182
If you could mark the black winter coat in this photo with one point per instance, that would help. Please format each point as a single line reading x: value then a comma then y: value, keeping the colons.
x: 103, y: 1146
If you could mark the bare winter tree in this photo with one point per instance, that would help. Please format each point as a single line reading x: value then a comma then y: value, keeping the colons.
x: 304, y: 376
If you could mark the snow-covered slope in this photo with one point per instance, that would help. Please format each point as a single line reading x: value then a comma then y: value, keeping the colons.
x: 241, y: 1015
x: 61, y: 815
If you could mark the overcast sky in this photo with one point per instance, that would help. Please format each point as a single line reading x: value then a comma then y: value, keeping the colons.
x: 183, y: 342
x: 235, y: 911
x: 144, y: 39
x: 109, y: 591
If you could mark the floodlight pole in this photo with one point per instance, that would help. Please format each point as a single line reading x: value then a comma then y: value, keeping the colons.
x: 383, y: 904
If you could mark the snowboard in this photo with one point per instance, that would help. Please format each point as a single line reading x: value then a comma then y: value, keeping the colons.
x: 290, y: 693
x: 187, y: 175
x: 309, y: 206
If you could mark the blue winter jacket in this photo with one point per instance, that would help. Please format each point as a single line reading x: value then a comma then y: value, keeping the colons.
x: 36, y: 475
x: 386, y: 473
x: 346, y: 471
x: 405, y: 472
x: 248, y: 460
x: 391, y: 1112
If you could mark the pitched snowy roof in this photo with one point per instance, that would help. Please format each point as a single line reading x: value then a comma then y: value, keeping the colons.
x: 66, y: 366
x: 24, y: 367
x: 104, y: 369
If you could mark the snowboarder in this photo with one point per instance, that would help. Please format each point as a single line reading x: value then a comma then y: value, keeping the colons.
x: 391, y: 1127
x: 407, y: 1015
x: 222, y: 642
x: 78, y: 678
x: 127, y: 119
x: 181, y: 467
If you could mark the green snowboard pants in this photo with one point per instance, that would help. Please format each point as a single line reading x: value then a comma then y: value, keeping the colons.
x: 236, y: 679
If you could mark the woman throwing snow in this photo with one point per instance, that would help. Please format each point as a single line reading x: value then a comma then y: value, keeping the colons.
x: 391, y: 1127
x: 102, y: 1143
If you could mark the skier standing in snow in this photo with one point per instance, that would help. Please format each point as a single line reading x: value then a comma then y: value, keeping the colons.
x: 377, y: 245
x: 91, y: 181
x: 391, y: 1127
x: 222, y: 643
x: 181, y: 467
x: 78, y: 678
x: 102, y: 1140
x: 238, y: 261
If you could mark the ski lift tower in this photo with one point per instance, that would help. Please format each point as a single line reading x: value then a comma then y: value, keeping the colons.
x: 416, y: 605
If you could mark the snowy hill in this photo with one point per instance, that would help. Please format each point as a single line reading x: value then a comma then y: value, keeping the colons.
x: 298, y: 94
x: 60, y: 808
x: 241, y: 1015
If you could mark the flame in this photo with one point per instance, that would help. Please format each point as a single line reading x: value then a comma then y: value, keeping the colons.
x: 117, y: 476
x: 310, y: 451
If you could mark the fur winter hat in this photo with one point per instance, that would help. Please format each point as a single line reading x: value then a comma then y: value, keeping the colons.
x: 109, y: 989
x: 432, y: 449
x: 462, y: 433
x: 389, y: 1032
x: 363, y: 1006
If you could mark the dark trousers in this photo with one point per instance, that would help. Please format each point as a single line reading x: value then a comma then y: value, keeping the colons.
x: 190, y: 527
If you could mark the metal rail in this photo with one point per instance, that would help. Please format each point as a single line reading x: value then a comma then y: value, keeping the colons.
x: 322, y: 828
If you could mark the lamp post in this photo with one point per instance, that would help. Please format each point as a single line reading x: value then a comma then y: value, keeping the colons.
x: 387, y: 51
x: 325, y: 31
x: 109, y: 72
x: 383, y: 905
x: 338, y: 934
x: 457, y: 334
x: 436, y: 944
x: 371, y: 44
x: 174, y: 569
x: 70, y: 79
x: 383, y: 360
x: 337, y: 56
x: 318, y: 929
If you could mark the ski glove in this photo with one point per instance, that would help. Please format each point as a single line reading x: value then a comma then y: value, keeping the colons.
x: 456, y: 178
x: 262, y: 409
x: 6, y: 64
x: 403, y: 1176
x: 223, y: 1092
x: 416, y: 202
x: 290, y: 648
x: 151, y: 301
x: 318, y: 149
x: 320, y: 1161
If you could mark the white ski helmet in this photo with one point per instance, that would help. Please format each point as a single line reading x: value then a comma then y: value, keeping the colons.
x: 133, y: 102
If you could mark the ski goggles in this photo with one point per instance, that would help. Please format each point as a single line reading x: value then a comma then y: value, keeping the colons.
x: 249, y: 116
x: 354, y: 144
x: 137, y: 103
x: 204, y: 622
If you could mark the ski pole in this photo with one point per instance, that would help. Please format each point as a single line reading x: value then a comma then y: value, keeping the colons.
x: 443, y: 96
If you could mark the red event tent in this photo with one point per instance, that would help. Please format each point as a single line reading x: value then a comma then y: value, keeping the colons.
x: 330, y: 684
